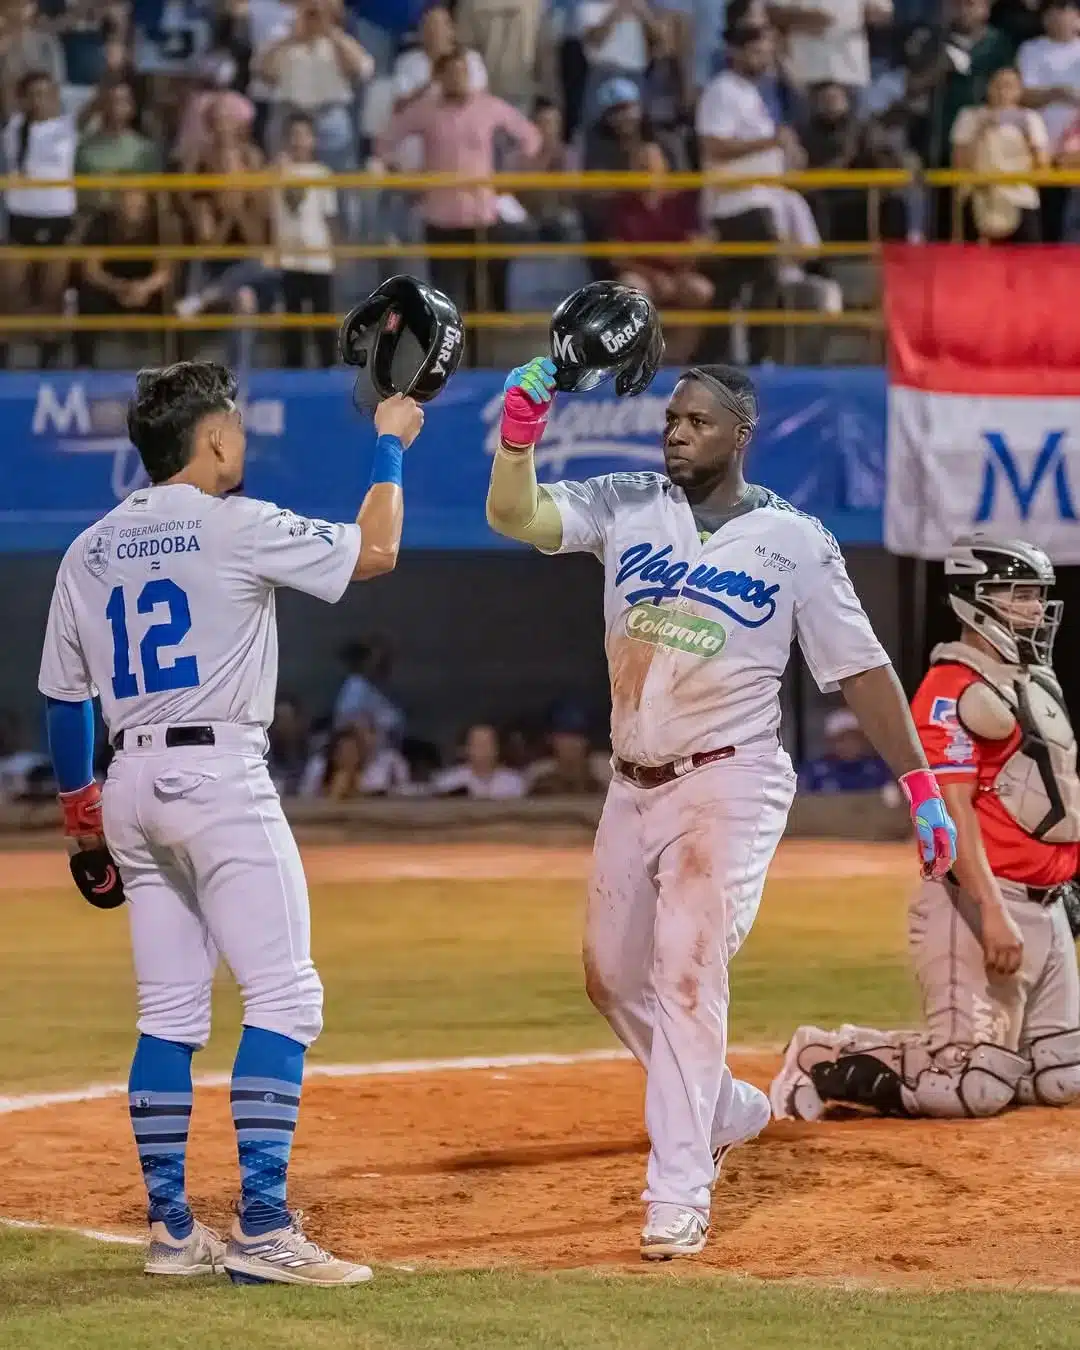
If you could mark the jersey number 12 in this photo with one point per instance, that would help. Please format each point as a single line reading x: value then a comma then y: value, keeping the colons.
x: 183, y: 672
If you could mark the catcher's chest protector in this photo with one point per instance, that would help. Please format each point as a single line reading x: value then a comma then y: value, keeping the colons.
x: 1038, y: 784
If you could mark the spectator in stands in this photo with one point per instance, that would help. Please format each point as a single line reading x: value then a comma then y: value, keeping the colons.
x: 362, y: 691
x: 39, y: 142
x: 304, y: 218
x: 1001, y: 137
x: 826, y: 40
x: 27, y: 47
x: 739, y: 135
x: 617, y: 133
x: 615, y: 38
x: 414, y: 71
x: 356, y: 766
x: 87, y: 29
x: 225, y: 147
x: 316, y: 69
x: 570, y: 768
x: 612, y: 140
x: 668, y: 97
x: 836, y: 138
x: 849, y: 763
x: 954, y: 70
x: 115, y: 145
x: 1018, y: 20
x: 661, y: 216
x: 1050, y: 70
x: 458, y: 127
x: 287, y: 756
x: 507, y: 36
x: 482, y: 774
x: 122, y: 285
x: 552, y: 211
x: 1068, y: 157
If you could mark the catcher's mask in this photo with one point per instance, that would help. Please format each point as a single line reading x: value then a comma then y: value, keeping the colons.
x: 606, y: 330
x: 1000, y: 588
x: 406, y: 338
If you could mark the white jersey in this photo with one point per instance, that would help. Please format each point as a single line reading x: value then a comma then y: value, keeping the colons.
x: 166, y: 606
x: 698, y: 633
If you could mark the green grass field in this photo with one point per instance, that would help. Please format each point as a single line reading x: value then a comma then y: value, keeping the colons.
x: 440, y: 969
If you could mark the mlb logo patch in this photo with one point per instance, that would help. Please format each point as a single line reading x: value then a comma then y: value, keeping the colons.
x: 393, y: 322
x: 943, y: 713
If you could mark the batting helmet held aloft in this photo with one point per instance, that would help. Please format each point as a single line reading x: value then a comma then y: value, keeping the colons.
x: 406, y: 338
x: 606, y: 330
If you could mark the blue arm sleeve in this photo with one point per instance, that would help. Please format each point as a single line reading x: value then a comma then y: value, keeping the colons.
x: 71, y: 741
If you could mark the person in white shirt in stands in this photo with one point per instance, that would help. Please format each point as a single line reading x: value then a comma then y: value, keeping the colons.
x: 615, y: 38
x: 1050, y: 69
x: 304, y: 219
x: 354, y: 765
x: 39, y: 142
x: 481, y: 776
x: 826, y: 40
x: 414, y: 70
x: 738, y: 135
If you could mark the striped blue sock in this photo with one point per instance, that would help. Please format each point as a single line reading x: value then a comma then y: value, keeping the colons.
x: 159, y: 1100
x: 266, y: 1082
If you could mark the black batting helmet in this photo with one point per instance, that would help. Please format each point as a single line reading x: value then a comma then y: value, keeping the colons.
x: 606, y: 330
x: 406, y: 338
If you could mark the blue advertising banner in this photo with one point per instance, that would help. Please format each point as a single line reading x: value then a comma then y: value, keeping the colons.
x: 66, y: 459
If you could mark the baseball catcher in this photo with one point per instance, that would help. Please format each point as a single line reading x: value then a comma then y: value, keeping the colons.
x: 993, y: 942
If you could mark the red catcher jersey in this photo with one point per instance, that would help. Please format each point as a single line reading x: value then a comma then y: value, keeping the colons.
x: 955, y: 756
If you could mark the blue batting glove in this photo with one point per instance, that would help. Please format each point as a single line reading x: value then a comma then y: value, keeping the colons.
x: 536, y: 379
x: 937, y: 836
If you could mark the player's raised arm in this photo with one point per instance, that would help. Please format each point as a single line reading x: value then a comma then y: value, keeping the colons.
x: 517, y: 506
x: 381, y: 516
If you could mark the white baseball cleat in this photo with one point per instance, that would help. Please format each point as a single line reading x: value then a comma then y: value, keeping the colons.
x: 757, y: 1117
x: 287, y: 1256
x: 672, y: 1231
x: 202, y: 1252
x: 792, y: 1092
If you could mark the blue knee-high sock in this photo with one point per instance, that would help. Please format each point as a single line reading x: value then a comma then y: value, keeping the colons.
x: 159, y: 1099
x: 266, y: 1082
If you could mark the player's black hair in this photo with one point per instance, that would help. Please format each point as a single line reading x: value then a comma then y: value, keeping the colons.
x: 739, y: 387
x: 168, y: 405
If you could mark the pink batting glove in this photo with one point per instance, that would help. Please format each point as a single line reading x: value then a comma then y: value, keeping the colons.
x: 527, y: 397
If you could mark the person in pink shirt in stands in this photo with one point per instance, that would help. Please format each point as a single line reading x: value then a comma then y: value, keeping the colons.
x: 457, y: 127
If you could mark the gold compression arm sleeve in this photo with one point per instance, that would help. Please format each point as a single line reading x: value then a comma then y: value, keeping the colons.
x: 517, y: 507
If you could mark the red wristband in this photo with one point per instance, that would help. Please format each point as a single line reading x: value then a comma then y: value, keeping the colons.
x: 82, y: 810
x: 919, y: 786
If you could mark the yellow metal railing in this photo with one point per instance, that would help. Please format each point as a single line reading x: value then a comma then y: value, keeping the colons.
x: 874, y: 183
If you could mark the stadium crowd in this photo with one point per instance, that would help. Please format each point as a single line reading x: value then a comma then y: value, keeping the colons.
x: 364, y: 745
x: 312, y: 87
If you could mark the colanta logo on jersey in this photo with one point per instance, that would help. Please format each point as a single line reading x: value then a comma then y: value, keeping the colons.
x: 741, y: 596
x: 594, y: 428
x: 679, y: 632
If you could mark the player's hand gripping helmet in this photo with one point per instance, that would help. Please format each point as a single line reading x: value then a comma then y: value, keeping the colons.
x: 606, y: 330
x: 1000, y: 588
x: 406, y: 338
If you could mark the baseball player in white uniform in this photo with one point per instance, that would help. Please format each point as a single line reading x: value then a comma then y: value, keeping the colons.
x: 165, y: 608
x: 707, y: 580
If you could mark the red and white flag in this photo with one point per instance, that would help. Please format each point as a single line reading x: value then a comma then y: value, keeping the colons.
x: 984, y: 396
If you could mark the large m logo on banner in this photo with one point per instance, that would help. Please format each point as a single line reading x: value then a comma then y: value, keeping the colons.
x: 1001, y: 463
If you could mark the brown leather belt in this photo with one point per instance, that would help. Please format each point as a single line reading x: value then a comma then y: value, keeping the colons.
x: 651, y: 776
